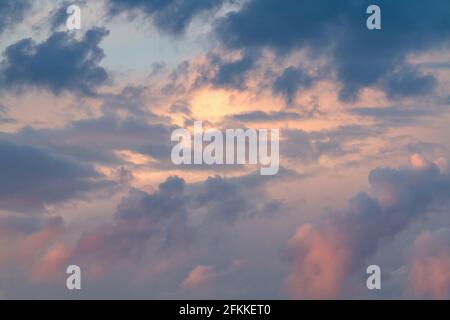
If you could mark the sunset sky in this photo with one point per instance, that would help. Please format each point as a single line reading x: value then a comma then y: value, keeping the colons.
x: 86, y: 177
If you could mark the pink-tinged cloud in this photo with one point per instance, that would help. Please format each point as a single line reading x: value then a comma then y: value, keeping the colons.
x: 429, y: 275
x: 39, y: 253
x: 200, y: 276
x: 53, y: 263
x: 321, y: 261
x: 326, y: 253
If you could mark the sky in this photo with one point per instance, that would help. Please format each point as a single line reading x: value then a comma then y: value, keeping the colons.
x: 86, y: 176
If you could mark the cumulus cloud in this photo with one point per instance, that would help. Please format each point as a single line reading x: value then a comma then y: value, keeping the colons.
x: 140, y: 217
x: 360, y: 57
x: 60, y: 63
x: 168, y: 221
x: 327, y: 252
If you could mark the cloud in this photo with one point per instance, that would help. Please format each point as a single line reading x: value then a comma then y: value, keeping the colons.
x: 261, y: 116
x: 200, y: 276
x: 3, y: 116
x: 13, y: 225
x: 360, y: 57
x: 396, y: 115
x: 95, y: 140
x: 181, y: 107
x: 170, y: 220
x: 228, y: 200
x: 291, y: 81
x: 408, y: 82
x: 140, y: 217
x: 308, y: 147
x: 129, y: 101
x: 322, y: 259
x: 59, y: 15
x: 31, y: 242
x: 204, y: 280
x: 171, y: 16
x: 229, y: 72
x: 327, y: 252
x: 429, y: 275
x: 232, y: 74
x: 410, y: 113
x: 58, y: 64
x: 33, y: 178
x: 12, y: 12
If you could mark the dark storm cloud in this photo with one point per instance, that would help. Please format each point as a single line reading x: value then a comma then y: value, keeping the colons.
x: 60, y: 63
x: 12, y: 12
x: 361, y: 57
x: 172, y: 16
x: 32, y: 178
